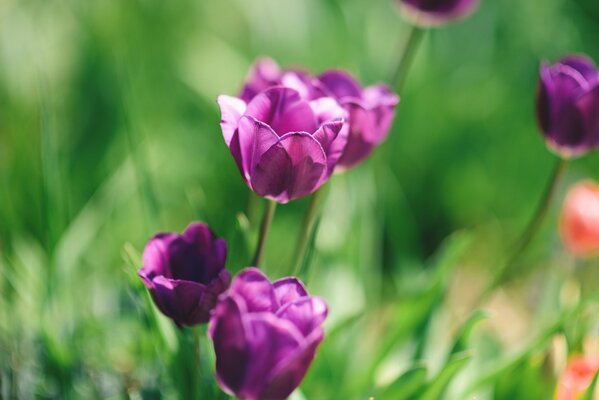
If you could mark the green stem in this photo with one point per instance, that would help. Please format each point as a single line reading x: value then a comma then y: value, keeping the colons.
x: 197, y: 361
x: 531, y: 230
x: 307, y: 231
x: 269, y: 213
x: 406, y: 57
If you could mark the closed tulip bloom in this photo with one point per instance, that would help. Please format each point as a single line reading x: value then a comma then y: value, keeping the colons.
x: 265, y: 335
x: 577, y: 377
x: 370, y: 111
x: 579, y: 221
x: 437, y: 12
x: 186, y: 273
x: 568, y: 105
x: 285, y: 146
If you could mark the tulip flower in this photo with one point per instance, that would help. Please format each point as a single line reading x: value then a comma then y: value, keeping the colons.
x: 186, y: 273
x: 285, y: 146
x: 371, y: 111
x: 568, y: 105
x: 579, y: 221
x: 265, y: 335
x: 577, y: 377
x: 436, y: 12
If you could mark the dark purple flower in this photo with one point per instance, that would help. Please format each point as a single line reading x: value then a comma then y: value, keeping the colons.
x: 285, y: 146
x: 371, y: 111
x: 437, y: 12
x: 265, y: 335
x: 568, y: 105
x: 186, y: 273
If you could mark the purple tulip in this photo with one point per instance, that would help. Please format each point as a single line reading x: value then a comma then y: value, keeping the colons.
x: 285, y: 146
x: 371, y: 111
x: 265, y: 335
x: 437, y: 12
x: 568, y: 105
x: 186, y: 273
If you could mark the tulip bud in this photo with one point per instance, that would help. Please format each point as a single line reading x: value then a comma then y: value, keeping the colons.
x: 568, y: 105
x: 579, y: 221
x: 186, y: 273
x: 265, y: 335
x: 436, y: 12
x: 577, y: 377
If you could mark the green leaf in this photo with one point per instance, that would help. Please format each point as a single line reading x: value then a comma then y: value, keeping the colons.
x: 438, y: 385
x: 413, y: 311
x: 406, y: 386
x: 463, y: 335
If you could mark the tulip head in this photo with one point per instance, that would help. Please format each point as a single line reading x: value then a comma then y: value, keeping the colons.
x: 579, y: 220
x: 577, y: 377
x: 265, y: 335
x: 568, y: 105
x: 186, y: 273
x: 428, y: 13
x: 285, y: 146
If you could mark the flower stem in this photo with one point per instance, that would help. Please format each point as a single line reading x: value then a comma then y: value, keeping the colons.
x: 531, y: 230
x: 406, y: 56
x: 307, y: 231
x: 269, y: 212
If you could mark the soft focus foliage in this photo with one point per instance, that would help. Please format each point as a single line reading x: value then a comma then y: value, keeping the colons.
x: 109, y: 132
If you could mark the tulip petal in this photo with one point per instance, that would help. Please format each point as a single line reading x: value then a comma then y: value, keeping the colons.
x: 584, y: 65
x: 183, y: 301
x: 231, y: 109
x: 271, y: 341
x: 155, y: 257
x: 333, y: 138
x: 291, y: 371
x: 291, y: 169
x: 577, y: 126
x: 327, y: 109
x: 255, y: 138
x: 289, y: 289
x: 340, y: 84
x: 228, y: 334
x: 306, y: 313
x: 432, y: 13
x: 283, y: 110
x: 379, y: 95
x: 265, y: 72
x: 256, y: 290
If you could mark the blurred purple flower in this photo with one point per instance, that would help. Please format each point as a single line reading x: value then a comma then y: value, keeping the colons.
x: 285, y: 146
x: 568, y: 105
x: 265, y: 335
x: 266, y: 73
x: 371, y: 111
x: 436, y: 12
x: 186, y: 273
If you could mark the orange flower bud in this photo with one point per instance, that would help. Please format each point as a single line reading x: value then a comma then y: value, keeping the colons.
x: 577, y: 377
x: 579, y: 221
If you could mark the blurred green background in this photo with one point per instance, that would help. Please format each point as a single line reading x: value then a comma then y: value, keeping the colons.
x: 109, y: 132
